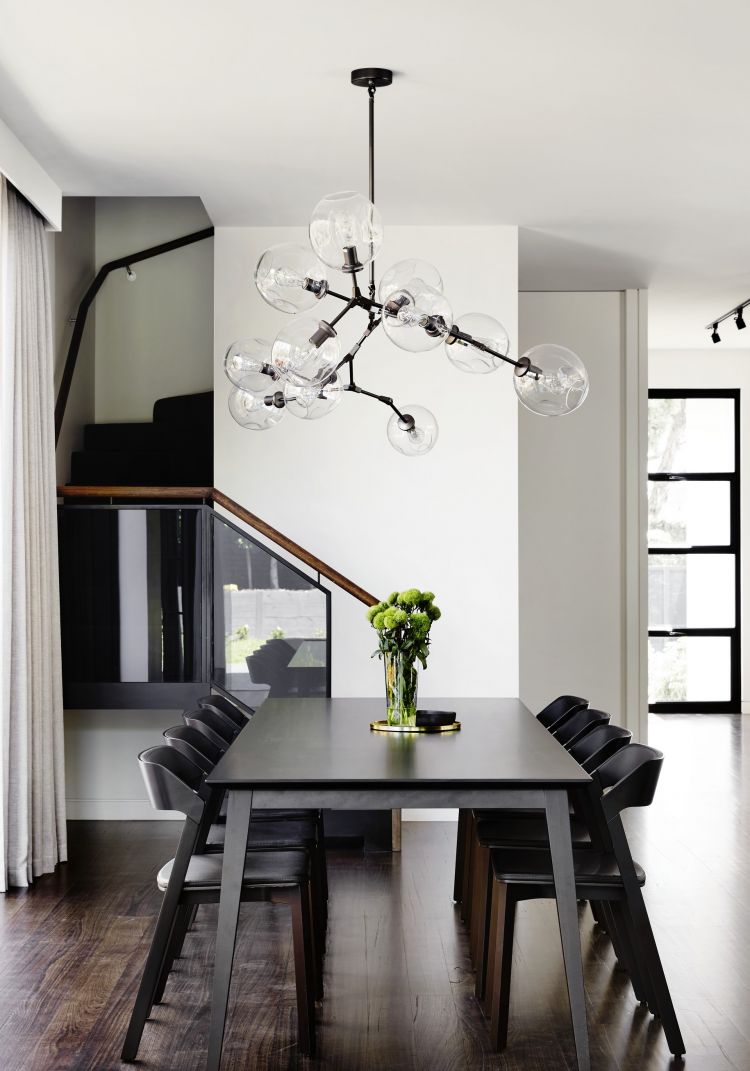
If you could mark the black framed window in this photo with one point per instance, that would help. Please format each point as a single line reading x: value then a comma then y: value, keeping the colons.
x: 694, y: 550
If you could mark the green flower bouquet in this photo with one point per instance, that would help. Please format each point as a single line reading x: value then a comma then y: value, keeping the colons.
x: 403, y: 622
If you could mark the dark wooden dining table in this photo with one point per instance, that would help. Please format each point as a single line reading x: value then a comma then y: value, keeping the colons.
x: 321, y: 753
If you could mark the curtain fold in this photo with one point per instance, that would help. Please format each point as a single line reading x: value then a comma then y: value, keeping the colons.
x: 32, y: 796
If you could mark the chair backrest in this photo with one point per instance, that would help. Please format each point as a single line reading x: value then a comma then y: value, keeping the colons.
x: 556, y: 712
x: 173, y: 782
x: 218, y: 723
x: 629, y: 778
x: 592, y: 749
x: 194, y: 745
x: 580, y: 723
x: 225, y: 706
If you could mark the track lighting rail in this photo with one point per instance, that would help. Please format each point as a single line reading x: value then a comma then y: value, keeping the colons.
x: 733, y: 314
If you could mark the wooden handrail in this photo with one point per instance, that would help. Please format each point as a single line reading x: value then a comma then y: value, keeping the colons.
x: 227, y: 503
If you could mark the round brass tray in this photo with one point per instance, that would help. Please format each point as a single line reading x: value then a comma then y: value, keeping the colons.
x: 384, y: 727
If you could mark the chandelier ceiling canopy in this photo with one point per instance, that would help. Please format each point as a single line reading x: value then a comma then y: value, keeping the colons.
x: 303, y: 371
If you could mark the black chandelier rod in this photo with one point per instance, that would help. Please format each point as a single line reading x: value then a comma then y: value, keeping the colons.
x: 371, y: 172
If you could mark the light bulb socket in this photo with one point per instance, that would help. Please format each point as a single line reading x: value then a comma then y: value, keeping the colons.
x: 394, y: 304
x: 319, y: 287
x: 406, y: 422
x: 523, y: 364
x: 130, y: 273
x: 351, y: 263
x: 436, y: 326
x: 324, y: 332
x: 275, y: 400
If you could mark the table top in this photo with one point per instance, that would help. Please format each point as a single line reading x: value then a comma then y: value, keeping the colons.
x: 324, y: 743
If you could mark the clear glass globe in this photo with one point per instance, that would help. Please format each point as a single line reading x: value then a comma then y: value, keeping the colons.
x: 290, y: 277
x: 247, y: 364
x: 253, y: 412
x: 560, y: 386
x: 415, y: 434
x: 346, y: 231
x: 409, y: 275
x: 311, y: 403
x: 416, y: 320
x: 298, y: 360
x: 485, y: 329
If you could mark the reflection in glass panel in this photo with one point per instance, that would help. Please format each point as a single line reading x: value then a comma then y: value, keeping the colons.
x: 691, y: 435
x: 691, y: 591
x: 688, y: 513
x: 270, y: 623
x: 689, y: 669
x: 130, y: 594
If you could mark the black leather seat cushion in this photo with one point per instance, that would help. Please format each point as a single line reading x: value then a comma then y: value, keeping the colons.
x: 261, y: 868
x: 530, y: 830
x: 534, y: 867
x: 269, y: 835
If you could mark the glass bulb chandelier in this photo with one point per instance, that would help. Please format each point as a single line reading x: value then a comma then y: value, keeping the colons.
x: 304, y: 372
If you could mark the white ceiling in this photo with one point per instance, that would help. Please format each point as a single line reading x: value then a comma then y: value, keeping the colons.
x: 614, y: 134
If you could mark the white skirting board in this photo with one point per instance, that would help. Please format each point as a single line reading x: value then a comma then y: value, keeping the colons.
x: 427, y: 814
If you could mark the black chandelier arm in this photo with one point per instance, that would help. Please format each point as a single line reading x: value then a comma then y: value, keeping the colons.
x: 378, y: 398
x: 349, y: 357
x: 371, y: 171
x: 522, y: 366
x: 351, y: 304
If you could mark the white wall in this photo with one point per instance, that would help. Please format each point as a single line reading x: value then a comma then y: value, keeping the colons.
x: 73, y: 257
x: 446, y: 522
x: 581, y: 518
x: 102, y: 776
x: 718, y: 367
x: 154, y: 336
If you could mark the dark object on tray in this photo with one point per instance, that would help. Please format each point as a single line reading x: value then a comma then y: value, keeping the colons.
x: 435, y: 717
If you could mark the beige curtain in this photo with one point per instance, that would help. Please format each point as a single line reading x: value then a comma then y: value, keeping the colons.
x: 32, y: 793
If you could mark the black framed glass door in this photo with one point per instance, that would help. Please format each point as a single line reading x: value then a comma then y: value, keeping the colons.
x: 694, y: 550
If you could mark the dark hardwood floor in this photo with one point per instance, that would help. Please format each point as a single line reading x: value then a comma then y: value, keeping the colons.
x: 399, y: 992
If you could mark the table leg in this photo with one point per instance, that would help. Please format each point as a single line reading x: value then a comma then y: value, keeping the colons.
x: 235, y: 847
x: 558, y: 827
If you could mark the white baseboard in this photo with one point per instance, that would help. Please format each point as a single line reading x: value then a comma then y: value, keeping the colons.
x: 118, y: 811
x: 428, y: 814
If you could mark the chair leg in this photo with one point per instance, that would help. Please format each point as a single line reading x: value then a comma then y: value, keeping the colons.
x: 304, y: 967
x: 458, y: 876
x: 468, y: 862
x: 159, y: 943
x: 320, y: 836
x: 622, y: 944
x: 639, y: 975
x: 193, y: 913
x: 174, y: 948
x: 640, y: 925
x: 480, y: 915
x: 499, y: 963
x: 598, y: 915
x: 318, y: 930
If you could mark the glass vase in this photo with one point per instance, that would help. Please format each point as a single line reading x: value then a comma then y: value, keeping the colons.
x: 400, y: 688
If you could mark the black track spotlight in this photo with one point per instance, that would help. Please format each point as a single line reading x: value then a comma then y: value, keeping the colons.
x: 715, y: 336
x: 739, y: 320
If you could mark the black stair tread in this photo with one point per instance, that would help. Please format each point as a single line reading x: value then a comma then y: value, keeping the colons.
x: 185, y: 409
x: 148, y: 468
x: 145, y: 437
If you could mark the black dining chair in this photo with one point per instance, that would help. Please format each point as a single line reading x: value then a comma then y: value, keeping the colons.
x: 582, y: 722
x: 219, y: 729
x: 300, y: 828
x: 227, y: 707
x: 174, y: 783
x: 556, y: 712
x: 551, y: 717
x: 508, y: 829
x: 609, y: 877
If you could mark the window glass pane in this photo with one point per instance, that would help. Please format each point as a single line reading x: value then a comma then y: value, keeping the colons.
x: 270, y: 623
x: 691, y: 435
x: 688, y: 513
x: 130, y: 595
x: 691, y: 591
x: 685, y: 669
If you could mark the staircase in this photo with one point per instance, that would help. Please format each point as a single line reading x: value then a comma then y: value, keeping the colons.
x: 173, y: 450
